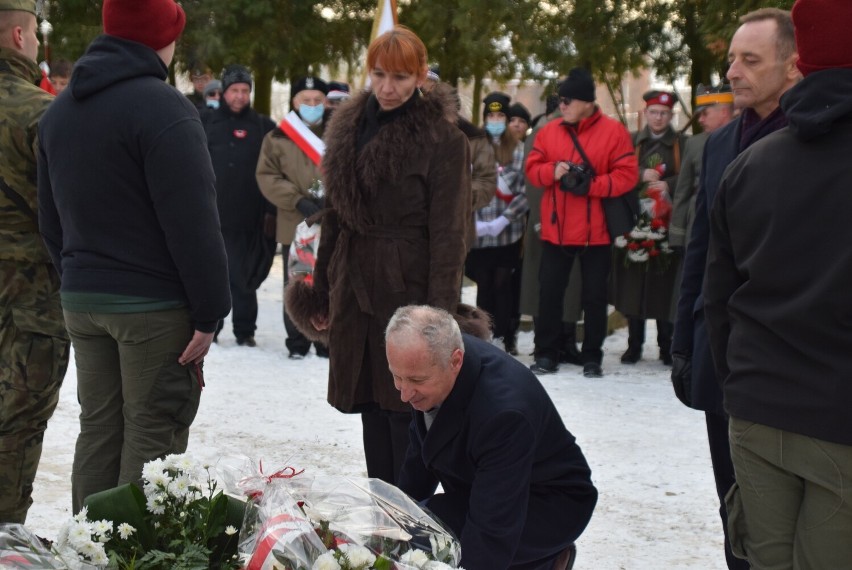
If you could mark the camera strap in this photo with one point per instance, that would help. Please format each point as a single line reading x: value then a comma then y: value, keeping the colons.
x: 579, y: 148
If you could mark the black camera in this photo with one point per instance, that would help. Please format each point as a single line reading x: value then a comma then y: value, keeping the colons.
x: 577, y: 180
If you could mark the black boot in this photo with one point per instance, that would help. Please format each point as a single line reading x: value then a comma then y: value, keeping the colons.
x: 510, y: 342
x: 632, y: 355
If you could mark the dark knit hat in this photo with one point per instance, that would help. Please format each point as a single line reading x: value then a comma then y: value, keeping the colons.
x: 496, y: 102
x: 154, y: 23
x: 235, y: 73
x: 655, y: 97
x: 578, y: 85
x: 518, y: 110
x: 823, y: 37
x: 309, y: 83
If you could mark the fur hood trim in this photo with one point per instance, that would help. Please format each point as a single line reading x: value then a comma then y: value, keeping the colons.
x: 352, y: 179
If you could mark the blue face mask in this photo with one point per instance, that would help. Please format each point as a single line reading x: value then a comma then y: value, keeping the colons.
x: 213, y: 103
x: 311, y: 114
x: 495, y: 129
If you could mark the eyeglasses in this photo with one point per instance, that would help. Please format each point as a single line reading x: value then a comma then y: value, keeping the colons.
x: 565, y: 100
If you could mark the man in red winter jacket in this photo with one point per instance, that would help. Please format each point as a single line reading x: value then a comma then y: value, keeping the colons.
x: 573, y: 223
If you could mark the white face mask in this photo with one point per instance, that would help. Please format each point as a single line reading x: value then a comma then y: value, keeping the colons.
x: 213, y: 103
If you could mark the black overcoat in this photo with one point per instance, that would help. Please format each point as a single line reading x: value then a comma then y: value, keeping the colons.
x: 499, y: 442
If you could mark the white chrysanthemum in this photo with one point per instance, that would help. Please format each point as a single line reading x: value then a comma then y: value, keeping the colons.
x: 156, y: 481
x: 638, y: 256
x: 358, y: 556
x: 81, y: 516
x: 102, y: 528
x: 230, y: 530
x: 439, y: 543
x: 125, y: 530
x: 89, y: 549
x: 179, y: 486
x: 414, y: 557
x: 62, y: 537
x: 656, y: 236
x: 435, y: 565
x: 100, y: 559
x: 636, y: 233
x: 155, y: 504
x: 152, y: 468
x: 326, y: 562
x: 79, y: 534
x: 620, y: 241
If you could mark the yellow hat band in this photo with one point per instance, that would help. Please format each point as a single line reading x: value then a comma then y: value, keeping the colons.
x: 714, y: 99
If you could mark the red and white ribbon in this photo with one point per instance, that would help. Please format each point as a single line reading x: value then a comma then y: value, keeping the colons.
x: 305, y: 139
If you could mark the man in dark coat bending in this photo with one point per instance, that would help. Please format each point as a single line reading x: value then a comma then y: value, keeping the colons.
x: 517, y: 488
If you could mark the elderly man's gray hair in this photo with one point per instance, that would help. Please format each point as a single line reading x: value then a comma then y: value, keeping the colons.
x: 435, y: 326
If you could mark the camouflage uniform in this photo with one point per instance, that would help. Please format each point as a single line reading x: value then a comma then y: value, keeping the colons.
x: 33, y: 343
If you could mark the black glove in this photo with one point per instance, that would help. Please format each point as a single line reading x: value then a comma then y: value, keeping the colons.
x: 307, y: 207
x: 682, y: 378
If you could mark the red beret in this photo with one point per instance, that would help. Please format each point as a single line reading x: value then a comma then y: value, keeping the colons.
x: 659, y: 98
x: 154, y: 23
x: 823, y: 34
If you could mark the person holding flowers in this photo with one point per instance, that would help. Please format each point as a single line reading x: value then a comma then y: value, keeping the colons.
x: 644, y: 270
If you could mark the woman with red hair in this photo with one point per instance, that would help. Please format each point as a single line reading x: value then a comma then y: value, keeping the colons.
x: 398, y: 204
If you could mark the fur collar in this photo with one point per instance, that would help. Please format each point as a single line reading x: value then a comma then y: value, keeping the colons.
x: 351, y: 179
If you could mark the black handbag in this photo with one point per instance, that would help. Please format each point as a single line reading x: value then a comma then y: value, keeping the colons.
x: 622, y: 212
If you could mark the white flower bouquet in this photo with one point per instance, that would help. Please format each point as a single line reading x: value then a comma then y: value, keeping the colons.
x: 305, y: 523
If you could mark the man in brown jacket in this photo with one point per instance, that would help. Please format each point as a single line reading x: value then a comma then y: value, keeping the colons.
x: 289, y: 176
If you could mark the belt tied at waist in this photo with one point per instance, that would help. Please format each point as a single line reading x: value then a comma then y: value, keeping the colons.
x: 381, y: 232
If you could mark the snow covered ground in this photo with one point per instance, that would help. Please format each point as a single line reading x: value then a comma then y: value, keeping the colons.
x: 657, y: 507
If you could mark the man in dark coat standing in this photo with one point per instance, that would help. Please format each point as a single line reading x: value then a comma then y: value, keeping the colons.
x: 235, y: 134
x: 516, y: 486
x: 757, y: 89
x: 778, y: 312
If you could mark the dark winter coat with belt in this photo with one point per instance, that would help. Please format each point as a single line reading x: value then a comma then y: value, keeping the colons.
x: 131, y: 211
x: 234, y: 141
x: 393, y: 234
x: 517, y: 479
x: 639, y: 290
x: 779, y: 267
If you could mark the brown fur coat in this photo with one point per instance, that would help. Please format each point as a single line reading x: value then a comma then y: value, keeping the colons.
x: 393, y: 235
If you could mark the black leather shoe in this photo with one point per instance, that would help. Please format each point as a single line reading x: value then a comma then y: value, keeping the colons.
x: 592, y: 370
x: 570, y: 355
x: 631, y: 356
x: 511, y: 345
x: 247, y: 341
x: 544, y: 365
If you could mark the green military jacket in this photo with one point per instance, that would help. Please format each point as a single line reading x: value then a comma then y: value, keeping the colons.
x: 22, y: 104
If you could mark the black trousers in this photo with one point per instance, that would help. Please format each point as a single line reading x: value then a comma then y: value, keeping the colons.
x: 723, y: 473
x: 243, y: 297
x: 386, y: 439
x: 636, y: 333
x: 555, y: 268
x: 493, y: 270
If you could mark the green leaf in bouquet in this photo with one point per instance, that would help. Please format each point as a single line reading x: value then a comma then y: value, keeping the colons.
x: 123, y: 504
x: 225, y: 511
